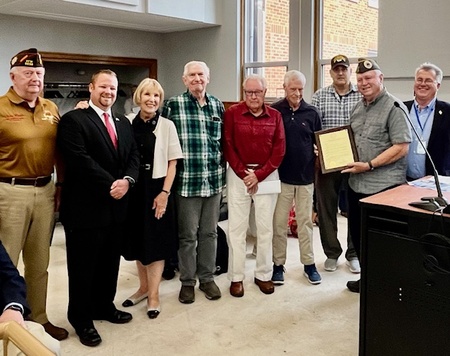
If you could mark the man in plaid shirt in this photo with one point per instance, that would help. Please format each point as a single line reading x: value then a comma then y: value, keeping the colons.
x: 335, y: 103
x: 200, y: 179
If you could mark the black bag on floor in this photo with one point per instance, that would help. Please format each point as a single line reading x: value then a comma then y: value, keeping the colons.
x: 222, y: 252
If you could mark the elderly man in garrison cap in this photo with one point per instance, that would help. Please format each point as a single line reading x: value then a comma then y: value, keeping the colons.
x: 382, y: 137
x: 28, y: 195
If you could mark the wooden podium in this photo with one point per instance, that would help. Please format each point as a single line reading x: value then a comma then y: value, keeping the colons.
x: 405, y: 276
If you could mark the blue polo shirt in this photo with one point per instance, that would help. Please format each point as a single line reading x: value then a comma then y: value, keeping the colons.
x: 297, y: 167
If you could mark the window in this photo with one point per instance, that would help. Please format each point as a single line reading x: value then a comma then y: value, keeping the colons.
x: 349, y: 28
x: 373, y: 3
x: 266, y: 42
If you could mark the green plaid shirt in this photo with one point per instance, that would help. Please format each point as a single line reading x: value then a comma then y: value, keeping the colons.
x: 202, y: 171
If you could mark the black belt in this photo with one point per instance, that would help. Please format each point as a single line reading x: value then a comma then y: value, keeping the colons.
x: 37, y: 182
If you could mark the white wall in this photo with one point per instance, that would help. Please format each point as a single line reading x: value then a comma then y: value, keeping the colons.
x: 412, y: 32
x: 218, y: 47
x: 19, y: 33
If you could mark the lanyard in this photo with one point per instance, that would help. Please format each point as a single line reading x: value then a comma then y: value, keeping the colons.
x: 426, y: 120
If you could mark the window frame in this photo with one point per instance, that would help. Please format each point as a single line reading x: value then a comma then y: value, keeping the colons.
x: 322, y: 62
x: 249, y: 66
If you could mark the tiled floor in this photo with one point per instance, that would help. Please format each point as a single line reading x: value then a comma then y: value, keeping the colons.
x: 298, y: 319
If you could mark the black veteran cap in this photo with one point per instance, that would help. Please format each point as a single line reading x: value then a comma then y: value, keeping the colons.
x: 27, y: 58
x: 366, y: 64
x: 339, y: 60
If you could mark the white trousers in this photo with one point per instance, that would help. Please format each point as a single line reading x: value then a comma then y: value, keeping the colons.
x: 238, y: 219
x: 37, y: 330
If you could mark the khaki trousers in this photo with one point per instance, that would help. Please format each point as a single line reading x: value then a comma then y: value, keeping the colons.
x: 302, y: 196
x: 26, y: 225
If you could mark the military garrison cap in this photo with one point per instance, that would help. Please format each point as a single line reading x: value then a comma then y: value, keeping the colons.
x: 366, y: 64
x: 27, y: 58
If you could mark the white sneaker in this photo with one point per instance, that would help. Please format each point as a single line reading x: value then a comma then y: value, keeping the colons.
x: 330, y: 265
x: 353, y: 266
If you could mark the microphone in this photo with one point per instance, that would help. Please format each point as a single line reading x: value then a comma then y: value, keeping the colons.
x: 427, y: 203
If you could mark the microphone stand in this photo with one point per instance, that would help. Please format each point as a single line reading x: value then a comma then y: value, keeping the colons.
x: 427, y: 203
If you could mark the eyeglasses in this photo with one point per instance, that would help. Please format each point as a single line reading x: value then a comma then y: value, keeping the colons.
x: 426, y: 81
x: 250, y: 93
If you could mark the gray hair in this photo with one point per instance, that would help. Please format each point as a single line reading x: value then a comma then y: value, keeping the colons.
x: 192, y: 63
x: 427, y: 66
x: 294, y: 74
x: 258, y: 77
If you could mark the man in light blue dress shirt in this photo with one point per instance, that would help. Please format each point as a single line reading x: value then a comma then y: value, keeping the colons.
x: 431, y: 119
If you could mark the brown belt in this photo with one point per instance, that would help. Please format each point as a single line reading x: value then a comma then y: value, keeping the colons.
x: 37, y: 182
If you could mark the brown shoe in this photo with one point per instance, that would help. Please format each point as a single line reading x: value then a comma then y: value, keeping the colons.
x: 55, y: 331
x: 265, y: 286
x: 237, y: 289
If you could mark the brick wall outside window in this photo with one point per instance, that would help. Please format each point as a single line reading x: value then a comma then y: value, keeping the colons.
x: 349, y: 28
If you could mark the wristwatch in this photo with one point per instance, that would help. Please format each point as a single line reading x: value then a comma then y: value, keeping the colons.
x: 130, y: 180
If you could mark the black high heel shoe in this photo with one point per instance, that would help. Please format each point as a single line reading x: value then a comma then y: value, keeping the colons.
x: 153, y: 313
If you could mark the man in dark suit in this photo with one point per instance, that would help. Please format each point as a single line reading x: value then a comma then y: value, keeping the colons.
x: 12, y: 290
x: 13, y: 304
x: 431, y: 119
x: 101, y: 164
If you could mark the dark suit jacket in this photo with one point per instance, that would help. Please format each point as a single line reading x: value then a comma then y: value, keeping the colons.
x: 439, y: 142
x: 12, y: 285
x: 92, y: 164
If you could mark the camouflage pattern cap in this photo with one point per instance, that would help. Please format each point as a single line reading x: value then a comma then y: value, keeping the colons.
x: 339, y: 60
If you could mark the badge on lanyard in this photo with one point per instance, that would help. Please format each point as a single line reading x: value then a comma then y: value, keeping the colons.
x: 420, y: 150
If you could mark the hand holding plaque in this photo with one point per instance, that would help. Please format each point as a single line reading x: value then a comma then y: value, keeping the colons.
x: 336, y: 148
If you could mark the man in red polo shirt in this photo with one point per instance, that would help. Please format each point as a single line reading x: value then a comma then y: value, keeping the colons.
x: 254, y: 147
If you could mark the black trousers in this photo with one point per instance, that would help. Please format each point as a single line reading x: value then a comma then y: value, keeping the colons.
x: 354, y: 218
x: 93, y: 259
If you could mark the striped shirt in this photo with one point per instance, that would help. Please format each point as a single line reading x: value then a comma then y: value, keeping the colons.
x: 334, y: 109
x: 202, y: 172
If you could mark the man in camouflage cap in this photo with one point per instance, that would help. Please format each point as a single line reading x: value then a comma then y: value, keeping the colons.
x: 335, y: 103
x: 28, y: 195
x: 382, y: 137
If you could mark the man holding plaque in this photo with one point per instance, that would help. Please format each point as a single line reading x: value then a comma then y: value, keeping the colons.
x: 296, y: 171
x: 335, y: 103
x: 254, y: 147
x: 382, y: 136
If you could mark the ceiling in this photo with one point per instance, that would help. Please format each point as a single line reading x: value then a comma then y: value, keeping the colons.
x: 59, y: 10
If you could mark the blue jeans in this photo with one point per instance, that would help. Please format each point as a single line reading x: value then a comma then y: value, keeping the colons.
x: 197, y: 232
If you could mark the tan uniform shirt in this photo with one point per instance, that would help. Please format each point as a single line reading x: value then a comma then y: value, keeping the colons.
x: 27, y: 137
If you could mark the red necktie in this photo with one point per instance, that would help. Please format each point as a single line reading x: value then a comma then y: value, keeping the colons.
x: 110, y: 130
